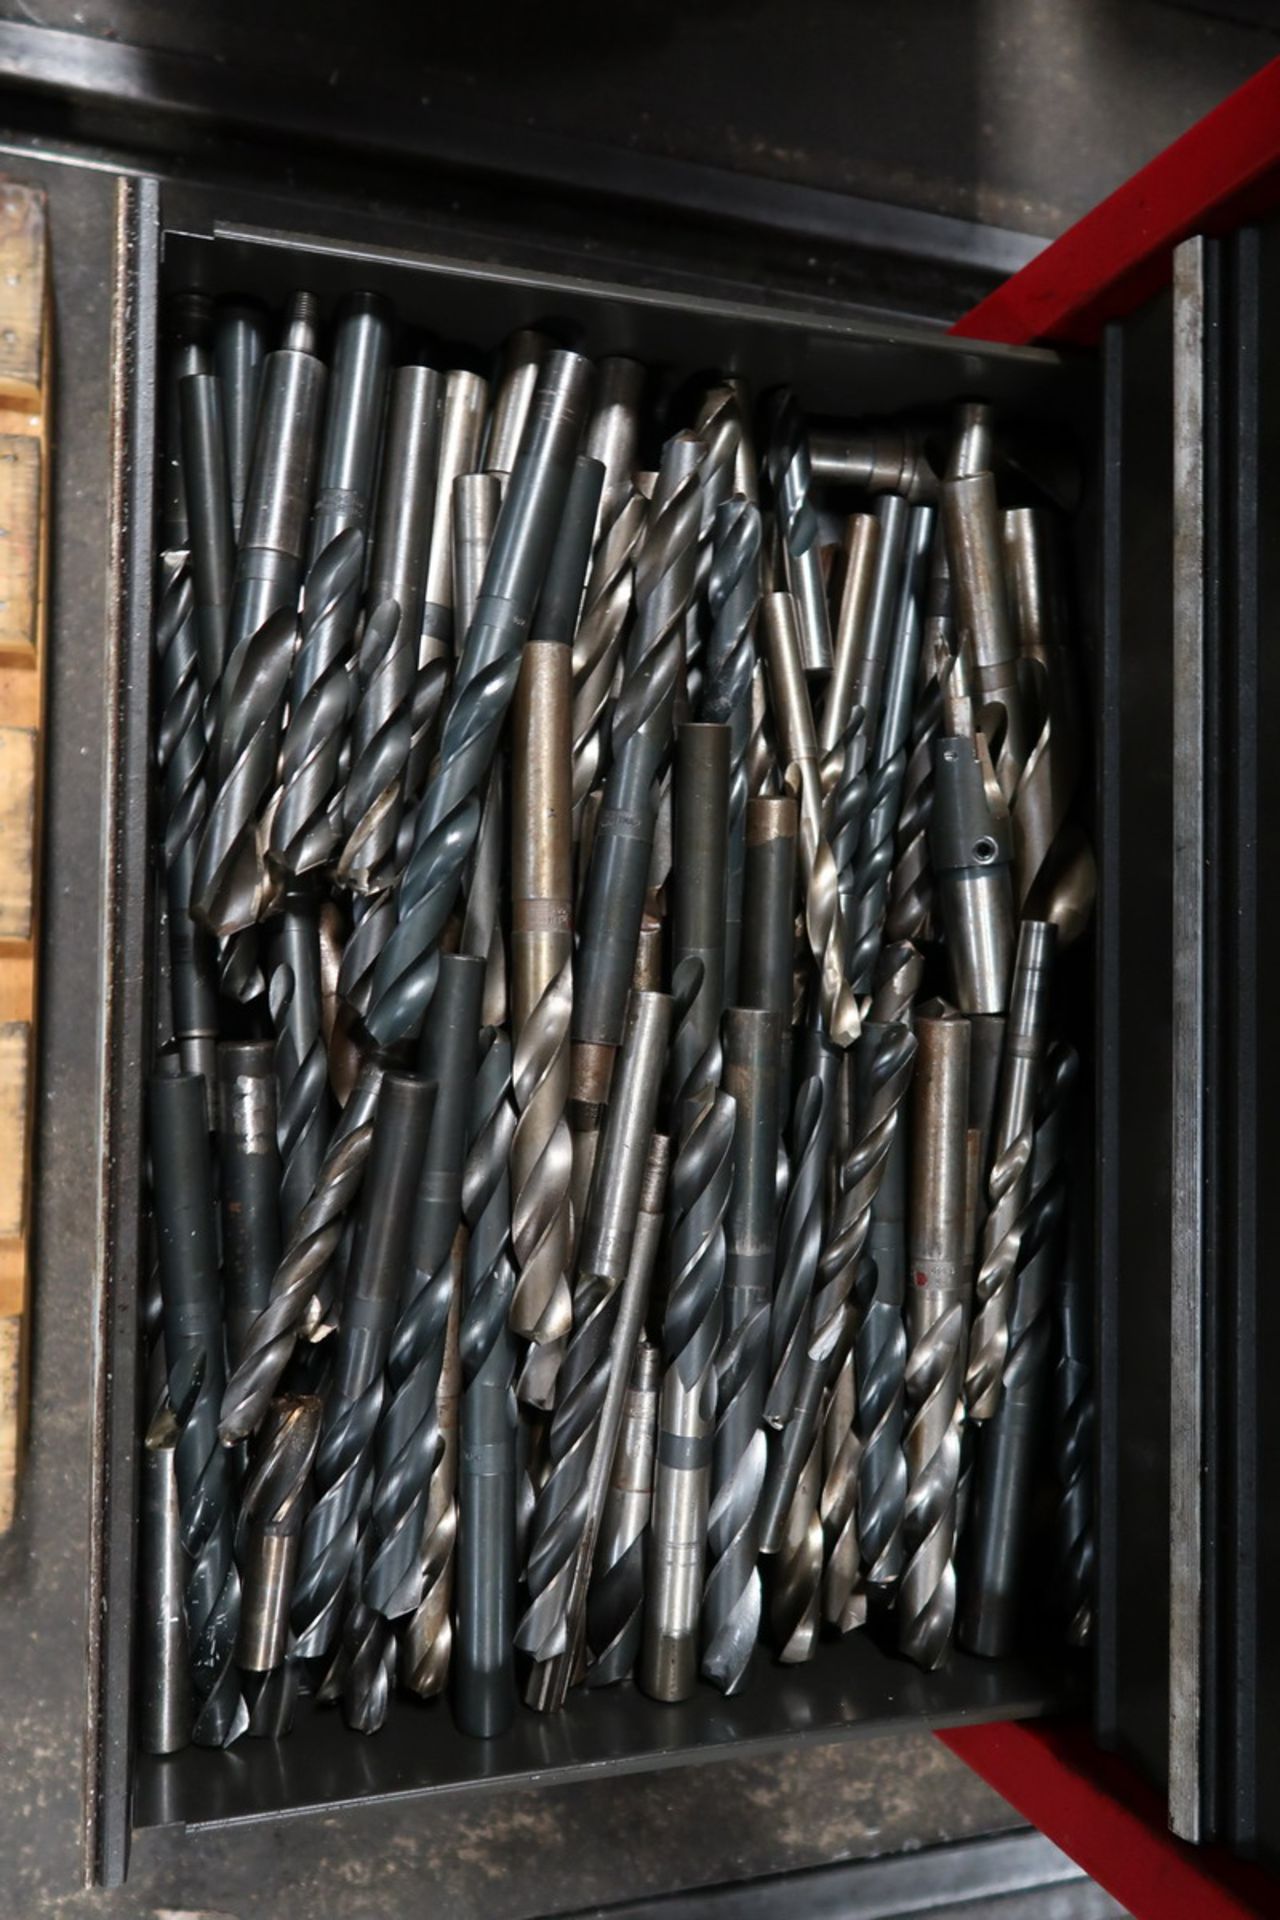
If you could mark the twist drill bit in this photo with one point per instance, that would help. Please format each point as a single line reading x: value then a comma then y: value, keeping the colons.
x: 301, y: 1062
x: 879, y: 461
x: 190, y: 333
x: 273, y: 1506
x: 861, y: 552
x: 409, y: 1439
x: 1007, y: 1180
x: 303, y: 830
x: 230, y: 882
x: 204, y: 467
x: 613, y: 431
x: 701, y: 1182
x: 164, y: 1697
x: 448, y: 817
x: 522, y: 360
x: 795, y: 1588
x: 1009, y: 1446
x: 874, y: 860
x: 180, y: 751
x: 466, y: 398
x: 937, y: 1311
x: 844, y: 1600
x: 871, y: 659
x: 401, y: 541
x: 606, y: 609
x: 733, y: 596
x: 186, y: 1236
x: 972, y: 520
x: 603, y: 1261
x: 969, y: 850
x: 615, y: 1602
x: 698, y: 915
x: 353, y: 419
x: 381, y: 742
x: 909, y: 915
x: 790, y: 482
x: 768, y: 894
x: 344, y: 1458
x: 720, y: 426
x: 614, y: 899
x: 313, y: 1239
x: 426, y: 1641
x: 281, y: 475
x: 484, y: 1688
x: 249, y: 1160
x: 1075, y: 1417
x: 731, y: 1601
x: 239, y: 348
x: 549, y: 1683
x: 824, y: 920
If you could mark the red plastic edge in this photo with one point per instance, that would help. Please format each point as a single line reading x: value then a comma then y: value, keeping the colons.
x: 1223, y: 171
x: 1104, y: 1815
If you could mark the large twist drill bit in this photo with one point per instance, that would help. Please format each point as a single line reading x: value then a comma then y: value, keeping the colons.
x: 1010, y: 1166
x: 484, y: 1687
x: 273, y: 1507
x: 909, y: 915
x: 731, y: 1601
x: 250, y: 1167
x: 448, y: 819
x: 303, y: 830
x: 983, y: 627
x: 795, y: 1585
x: 204, y: 470
x: 522, y: 357
x: 733, y: 596
x: 861, y: 552
x: 239, y: 348
x: 597, y: 644
x: 871, y: 660
x: 466, y: 397
x: 937, y: 1312
x: 186, y: 1235
x: 353, y: 419
x: 401, y: 543
x: 892, y: 460
x: 1009, y: 1449
x: 426, y: 1638
x: 768, y: 920
x: 603, y: 1261
x: 790, y: 481
x: 387, y: 712
x: 191, y: 330
x: 844, y: 1599
x: 344, y: 1459
x: 613, y: 431
x: 164, y: 1690
x: 302, y: 1067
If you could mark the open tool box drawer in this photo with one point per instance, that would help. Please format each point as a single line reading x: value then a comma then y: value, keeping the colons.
x: 174, y: 238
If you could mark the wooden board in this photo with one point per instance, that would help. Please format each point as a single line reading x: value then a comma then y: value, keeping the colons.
x: 25, y: 322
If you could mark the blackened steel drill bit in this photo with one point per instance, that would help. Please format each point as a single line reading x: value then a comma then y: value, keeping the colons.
x: 381, y: 742
x: 969, y: 848
x: 824, y: 920
x: 615, y: 1602
x: 701, y: 1183
x: 1074, y: 1408
x: 344, y: 1460
x: 597, y: 644
x: 186, y: 1235
x: 180, y: 750
x: 448, y: 816
x: 731, y: 1599
x: 408, y: 1441
x: 733, y: 596
x: 401, y: 539
x: 522, y: 360
x: 614, y: 901
x: 698, y: 885
x: 937, y: 1313
x: 484, y: 1690
x: 273, y: 1506
x: 230, y: 882
x: 303, y: 830
x: 614, y: 429
x: 910, y: 912
x: 190, y: 339
x: 795, y: 1572
x: 466, y: 397
x: 873, y: 863
x: 204, y: 462
x: 1009, y: 1449
x: 311, y: 1243
x: 250, y: 1166
x: 352, y: 420
x: 791, y: 481
x: 983, y: 629
x: 603, y: 1261
x: 426, y: 1638
x: 768, y: 943
x: 303, y: 1110
x: 861, y: 550
x: 277, y: 505
x: 1010, y: 1166
x: 239, y: 348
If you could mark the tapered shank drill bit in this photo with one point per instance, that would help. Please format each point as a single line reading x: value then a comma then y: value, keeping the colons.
x: 239, y: 348
x: 795, y: 1572
x: 186, y: 1236
x: 880, y: 461
x: 353, y: 419
x: 466, y: 397
x: 449, y: 813
x: 1010, y: 1166
x: 768, y: 894
x: 344, y: 1460
x: 484, y: 1690
x: 603, y: 1261
x: 401, y: 540
x: 937, y: 1312
x: 303, y: 830
x: 250, y: 1166
x: 273, y: 1507
x: 191, y: 331
x: 615, y: 1603
x: 204, y: 463
x: 522, y: 359
x: 614, y: 429
x: 861, y: 551
x: 791, y: 480
x: 731, y: 1600
x: 1009, y: 1448
x: 164, y: 1692
x: 970, y: 852
x: 892, y: 517
x: 733, y: 596
x: 981, y: 607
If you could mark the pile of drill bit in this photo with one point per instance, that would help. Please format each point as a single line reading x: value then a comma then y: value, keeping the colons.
x: 616, y: 1193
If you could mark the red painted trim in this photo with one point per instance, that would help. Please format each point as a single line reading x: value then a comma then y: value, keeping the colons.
x: 1224, y: 171
x: 1100, y: 1811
